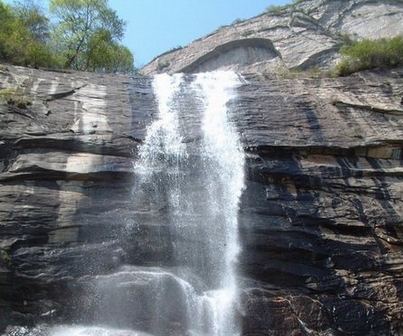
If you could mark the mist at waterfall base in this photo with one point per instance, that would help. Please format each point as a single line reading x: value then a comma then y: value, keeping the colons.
x: 189, y: 176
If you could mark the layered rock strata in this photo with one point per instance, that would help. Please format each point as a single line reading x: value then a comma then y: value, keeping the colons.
x: 321, y: 218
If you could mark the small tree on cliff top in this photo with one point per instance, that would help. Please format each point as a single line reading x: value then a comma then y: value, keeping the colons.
x: 88, y: 34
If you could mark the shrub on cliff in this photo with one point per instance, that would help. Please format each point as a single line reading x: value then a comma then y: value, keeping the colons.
x: 369, y: 54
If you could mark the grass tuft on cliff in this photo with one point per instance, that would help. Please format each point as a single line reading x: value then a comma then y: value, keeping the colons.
x: 370, y: 54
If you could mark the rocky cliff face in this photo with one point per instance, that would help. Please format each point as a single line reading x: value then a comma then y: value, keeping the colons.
x: 321, y: 218
x: 303, y: 35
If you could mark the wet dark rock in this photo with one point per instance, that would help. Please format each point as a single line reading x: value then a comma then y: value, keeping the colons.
x: 320, y: 219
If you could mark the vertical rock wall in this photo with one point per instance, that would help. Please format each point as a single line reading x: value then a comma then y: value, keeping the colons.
x: 320, y: 219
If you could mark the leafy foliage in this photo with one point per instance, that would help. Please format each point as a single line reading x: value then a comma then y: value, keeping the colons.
x: 33, y: 17
x: 107, y: 55
x: 88, y: 34
x: 369, y: 54
x: 85, y: 36
x: 18, y: 43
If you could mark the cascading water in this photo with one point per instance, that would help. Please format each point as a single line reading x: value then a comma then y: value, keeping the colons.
x: 179, y: 278
x: 193, y: 160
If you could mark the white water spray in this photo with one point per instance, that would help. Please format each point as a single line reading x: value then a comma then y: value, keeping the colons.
x: 203, y: 181
x: 163, y: 140
x: 221, y: 147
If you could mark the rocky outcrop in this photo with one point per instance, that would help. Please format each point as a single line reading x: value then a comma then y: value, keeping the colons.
x: 303, y: 35
x: 321, y: 218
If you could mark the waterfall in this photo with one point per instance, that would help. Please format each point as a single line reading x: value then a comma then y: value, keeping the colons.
x: 179, y: 275
x: 192, y: 163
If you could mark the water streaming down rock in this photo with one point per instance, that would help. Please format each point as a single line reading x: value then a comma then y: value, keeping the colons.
x: 189, y: 176
x: 191, y: 165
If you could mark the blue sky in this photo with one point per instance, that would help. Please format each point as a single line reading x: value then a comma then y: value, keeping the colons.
x: 156, y: 26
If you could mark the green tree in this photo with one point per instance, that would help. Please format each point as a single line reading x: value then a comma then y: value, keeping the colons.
x: 6, y: 23
x: 123, y: 60
x: 107, y: 55
x: 87, y: 35
x: 33, y: 17
x: 17, y: 43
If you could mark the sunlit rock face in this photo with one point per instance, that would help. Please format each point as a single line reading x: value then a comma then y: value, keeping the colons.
x: 320, y: 220
x: 303, y: 35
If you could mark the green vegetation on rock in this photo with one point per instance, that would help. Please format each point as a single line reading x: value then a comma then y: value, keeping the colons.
x: 276, y: 10
x: 370, y: 54
x: 15, y: 97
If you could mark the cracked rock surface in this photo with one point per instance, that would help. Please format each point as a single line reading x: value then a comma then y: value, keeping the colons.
x: 321, y: 218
